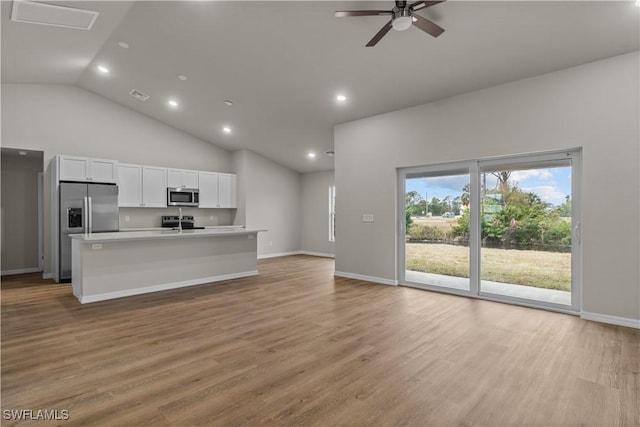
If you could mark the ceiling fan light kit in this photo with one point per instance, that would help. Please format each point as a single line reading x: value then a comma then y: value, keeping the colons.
x: 402, y: 20
x: 402, y: 17
x: 401, y: 23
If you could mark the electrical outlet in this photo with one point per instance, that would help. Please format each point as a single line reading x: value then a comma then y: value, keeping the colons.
x: 367, y: 217
x: 126, y: 218
x: 270, y: 244
x: 210, y: 217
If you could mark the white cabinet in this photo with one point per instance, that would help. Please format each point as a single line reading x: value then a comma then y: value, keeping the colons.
x: 129, y: 185
x: 142, y: 186
x: 208, y: 182
x: 103, y: 170
x: 182, y: 178
x: 73, y: 168
x: 227, y: 190
x: 217, y: 190
x: 154, y: 187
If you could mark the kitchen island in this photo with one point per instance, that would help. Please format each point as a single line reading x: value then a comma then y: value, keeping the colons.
x: 119, y: 264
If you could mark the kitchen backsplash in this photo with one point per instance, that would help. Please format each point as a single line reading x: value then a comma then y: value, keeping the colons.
x: 151, y: 217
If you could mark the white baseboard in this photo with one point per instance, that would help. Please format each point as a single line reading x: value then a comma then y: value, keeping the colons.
x: 47, y: 275
x: 276, y: 255
x: 614, y: 320
x: 20, y: 271
x: 164, y: 287
x: 310, y: 253
x: 366, y: 278
x: 319, y: 254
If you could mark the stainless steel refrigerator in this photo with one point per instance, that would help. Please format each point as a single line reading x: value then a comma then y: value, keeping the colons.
x: 85, y: 208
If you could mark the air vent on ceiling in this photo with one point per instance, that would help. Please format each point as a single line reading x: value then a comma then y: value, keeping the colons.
x: 51, y: 14
x: 139, y: 95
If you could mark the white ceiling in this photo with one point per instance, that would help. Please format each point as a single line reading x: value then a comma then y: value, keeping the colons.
x: 282, y: 63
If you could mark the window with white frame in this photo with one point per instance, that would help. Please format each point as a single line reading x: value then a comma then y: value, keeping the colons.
x: 332, y: 213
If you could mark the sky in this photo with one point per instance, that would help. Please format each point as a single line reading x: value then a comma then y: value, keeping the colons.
x: 550, y: 184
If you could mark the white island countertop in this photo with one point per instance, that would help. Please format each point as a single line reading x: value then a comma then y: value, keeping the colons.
x: 119, y: 264
x: 121, y: 236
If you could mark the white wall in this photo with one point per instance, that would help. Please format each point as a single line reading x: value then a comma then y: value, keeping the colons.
x: 19, y: 211
x: 314, y: 231
x: 594, y: 106
x: 61, y: 119
x: 271, y: 194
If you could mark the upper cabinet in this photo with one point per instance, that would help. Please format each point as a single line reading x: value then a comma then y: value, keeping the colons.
x: 217, y: 190
x: 208, y: 189
x: 227, y: 190
x: 73, y: 168
x: 146, y: 186
x: 182, y: 178
x: 154, y: 187
x: 129, y: 185
x: 142, y: 186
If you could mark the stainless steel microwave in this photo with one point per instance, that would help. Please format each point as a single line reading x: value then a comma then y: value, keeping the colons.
x: 183, y: 197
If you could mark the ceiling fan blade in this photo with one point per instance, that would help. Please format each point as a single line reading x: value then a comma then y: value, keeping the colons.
x: 422, y: 4
x: 383, y: 31
x: 344, y: 13
x: 427, y: 26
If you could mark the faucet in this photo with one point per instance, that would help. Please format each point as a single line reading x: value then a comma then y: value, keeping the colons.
x: 180, y: 219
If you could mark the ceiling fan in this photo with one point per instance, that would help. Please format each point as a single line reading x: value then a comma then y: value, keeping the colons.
x: 402, y: 16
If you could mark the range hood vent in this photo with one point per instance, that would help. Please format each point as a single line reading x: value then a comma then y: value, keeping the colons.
x: 50, y: 14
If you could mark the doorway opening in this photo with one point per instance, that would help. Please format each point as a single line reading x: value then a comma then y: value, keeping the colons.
x: 22, y: 211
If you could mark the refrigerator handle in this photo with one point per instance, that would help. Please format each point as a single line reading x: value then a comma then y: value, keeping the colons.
x: 85, y: 210
x: 90, y: 214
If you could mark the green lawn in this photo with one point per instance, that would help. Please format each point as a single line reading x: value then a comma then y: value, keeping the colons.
x: 551, y: 270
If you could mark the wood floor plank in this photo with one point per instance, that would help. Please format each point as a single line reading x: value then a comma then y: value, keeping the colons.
x: 297, y: 346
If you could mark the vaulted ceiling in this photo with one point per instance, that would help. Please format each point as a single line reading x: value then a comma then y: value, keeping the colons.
x: 283, y: 63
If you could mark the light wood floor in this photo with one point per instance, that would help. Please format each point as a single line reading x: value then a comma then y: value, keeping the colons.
x: 295, y: 346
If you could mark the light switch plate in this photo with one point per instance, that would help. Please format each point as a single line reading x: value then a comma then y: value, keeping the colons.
x: 367, y: 217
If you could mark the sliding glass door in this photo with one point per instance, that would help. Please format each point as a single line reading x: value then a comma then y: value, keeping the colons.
x: 436, y: 242
x: 527, y: 230
x: 505, y: 229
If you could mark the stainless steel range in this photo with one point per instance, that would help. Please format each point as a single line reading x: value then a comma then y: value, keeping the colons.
x: 174, y: 222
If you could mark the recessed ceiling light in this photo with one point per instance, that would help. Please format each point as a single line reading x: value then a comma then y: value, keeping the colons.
x: 103, y: 69
x: 123, y: 45
x: 311, y: 155
x: 173, y: 103
x: 182, y: 77
x: 230, y: 103
x: 226, y: 130
x: 637, y: 3
x: 341, y: 98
